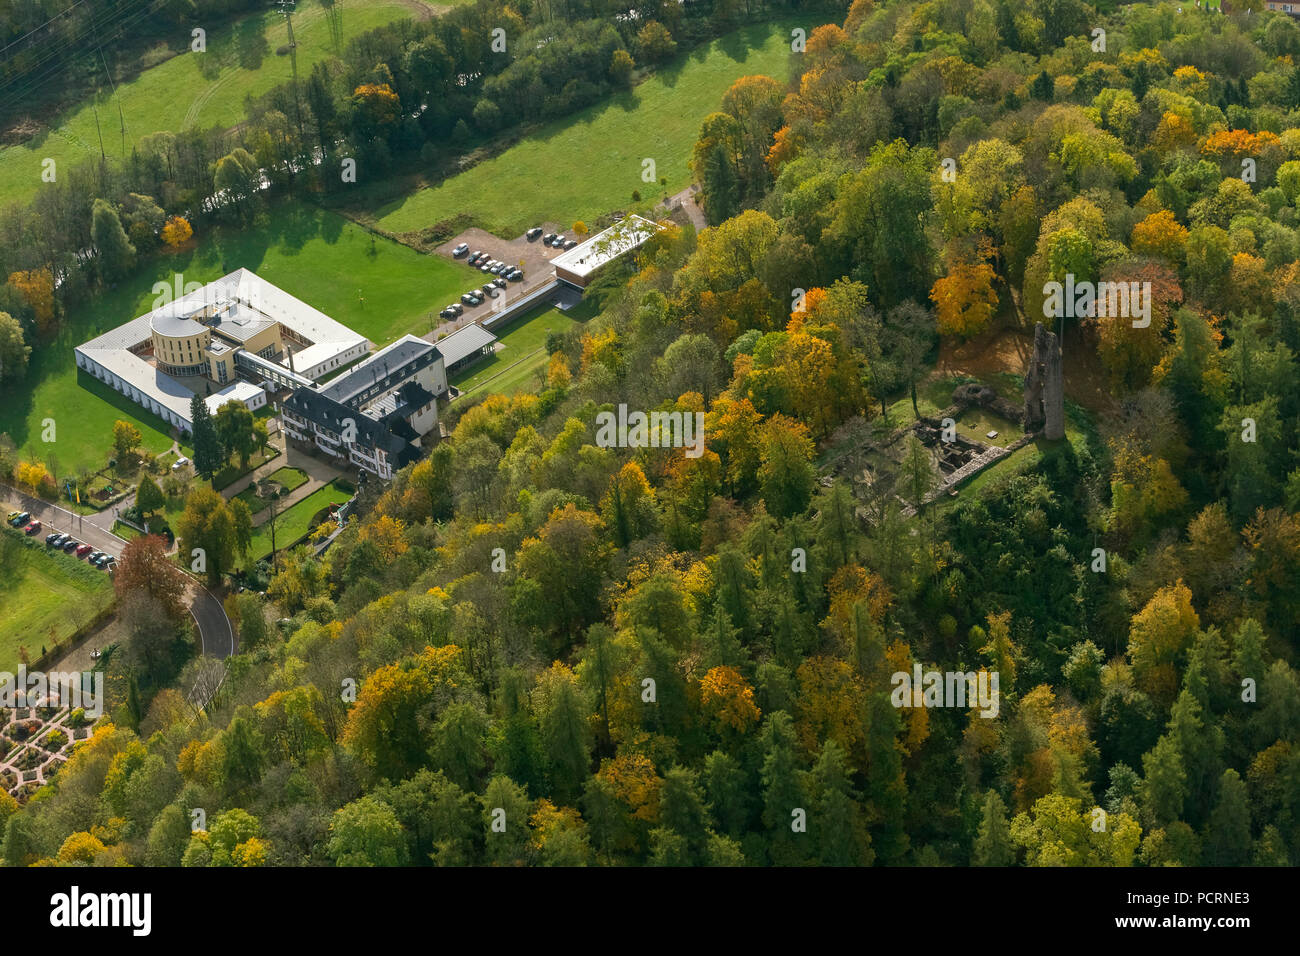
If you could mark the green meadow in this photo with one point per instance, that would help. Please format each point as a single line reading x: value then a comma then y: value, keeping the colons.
x: 582, y: 166
x: 195, y: 89
x: 44, y: 596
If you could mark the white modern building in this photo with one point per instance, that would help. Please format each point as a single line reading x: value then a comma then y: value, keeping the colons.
x: 249, y: 395
x: 240, y: 333
x: 579, y: 265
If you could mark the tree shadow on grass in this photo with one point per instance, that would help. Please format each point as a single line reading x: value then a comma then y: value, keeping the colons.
x: 251, y: 46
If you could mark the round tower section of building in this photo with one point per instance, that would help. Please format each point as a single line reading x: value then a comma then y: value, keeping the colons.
x: 179, y: 345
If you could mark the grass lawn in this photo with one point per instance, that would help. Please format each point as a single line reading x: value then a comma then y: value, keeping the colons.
x: 292, y: 524
x: 315, y: 255
x: 289, y: 478
x: 44, y: 597
x: 522, y: 352
x: 194, y: 89
x: 125, y: 531
x: 582, y: 166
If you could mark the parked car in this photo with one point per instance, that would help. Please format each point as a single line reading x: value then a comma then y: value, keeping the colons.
x: 570, y: 243
x: 460, y: 250
x: 71, y: 545
x: 446, y: 314
x: 533, y: 233
x: 456, y: 307
x: 477, y: 254
x: 52, y: 539
x: 475, y: 300
x: 12, y: 516
x: 496, y: 270
x: 94, y: 556
x: 466, y: 299
x: 20, y: 518
x: 499, y: 282
x: 548, y: 238
x: 515, y: 275
x: 83, y: 550
x: 33, y: 528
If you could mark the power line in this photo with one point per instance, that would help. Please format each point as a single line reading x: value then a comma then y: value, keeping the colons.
x: 61, y: 13
x: 57, y: 58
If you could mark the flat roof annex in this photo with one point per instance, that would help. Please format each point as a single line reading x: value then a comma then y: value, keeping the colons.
x: 463, y: 343
x: 606, y: 246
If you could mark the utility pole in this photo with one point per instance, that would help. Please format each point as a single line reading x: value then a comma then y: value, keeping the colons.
x: 113, y: 86
x: 287, y: 6
x: 102, y: 157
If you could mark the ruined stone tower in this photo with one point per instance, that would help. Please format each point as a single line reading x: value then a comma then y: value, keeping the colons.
x: 1044, y: 387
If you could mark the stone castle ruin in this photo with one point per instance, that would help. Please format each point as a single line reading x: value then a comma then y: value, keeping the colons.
x: 1044, y: 387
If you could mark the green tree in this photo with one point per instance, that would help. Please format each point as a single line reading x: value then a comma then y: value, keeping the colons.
x: 148, y: 497
x: 207, y: 446
x: 1227, y: 835
x: 234, y: 427
x: 14, y: 350
x: 784, y: 799
x: 116, y: 255
x: 836, y: 823
x: 208, y: 534
x: 562, y: 716
x: 993, y: 844
x: 366, y: 832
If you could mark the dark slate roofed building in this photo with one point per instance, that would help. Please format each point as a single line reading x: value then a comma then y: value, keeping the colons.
x: 376, y: 415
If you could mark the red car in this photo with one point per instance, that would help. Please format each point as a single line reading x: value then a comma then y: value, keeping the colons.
x: 84, y: 550
x: 33, y: 528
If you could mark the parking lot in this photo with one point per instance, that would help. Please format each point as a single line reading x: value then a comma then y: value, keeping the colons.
x: 533, y: 257
x: 53, y: 518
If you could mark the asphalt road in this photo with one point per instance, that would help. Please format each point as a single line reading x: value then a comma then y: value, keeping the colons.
x: 215, y: 633
x: 216, y: 636
x: 88, y: 529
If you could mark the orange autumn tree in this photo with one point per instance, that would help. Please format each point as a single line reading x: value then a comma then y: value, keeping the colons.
x: 37, y: 287
x: 785, y: 146
x: 964, y: 299
x: 1131, y: 353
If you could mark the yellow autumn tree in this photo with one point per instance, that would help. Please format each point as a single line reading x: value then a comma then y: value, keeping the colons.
x: 829, y: 707
x: 388, y: 536
x: 1158, y: 638
x: 177, y: 231
x: 1160, y: 234
x: 557, y: 372
x: 81, y: 847
x: 728, y: 698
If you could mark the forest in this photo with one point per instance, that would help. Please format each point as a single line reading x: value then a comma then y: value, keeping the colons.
x: 529, y: 649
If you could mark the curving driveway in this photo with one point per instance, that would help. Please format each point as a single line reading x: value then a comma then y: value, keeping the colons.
x: 216, y: 635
